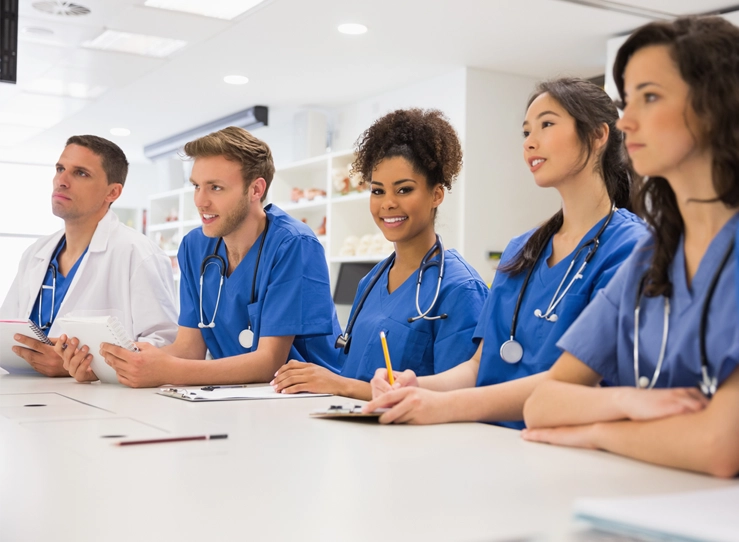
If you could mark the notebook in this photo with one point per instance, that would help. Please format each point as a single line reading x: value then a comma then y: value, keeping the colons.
x: 231, y: 393
x: 8, y: 360
x: 94, y: 330
x: 694, y: 516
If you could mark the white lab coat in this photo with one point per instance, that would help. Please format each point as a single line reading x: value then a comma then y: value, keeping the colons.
x: 122, y: 273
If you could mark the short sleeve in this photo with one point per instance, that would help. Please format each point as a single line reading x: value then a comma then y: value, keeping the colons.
x: 454, y: 342
x: 593, y: 337
x: 298, y: 295
x: 189, y: 306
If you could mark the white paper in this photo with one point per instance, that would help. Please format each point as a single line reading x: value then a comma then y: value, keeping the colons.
x: 8, y: 359
x: 258, y: 391
x: 711, y: 515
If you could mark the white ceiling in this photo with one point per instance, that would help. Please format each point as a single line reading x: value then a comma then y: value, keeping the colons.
x: 292, y: 54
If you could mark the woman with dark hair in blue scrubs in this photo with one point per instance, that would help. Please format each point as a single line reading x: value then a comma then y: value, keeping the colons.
x: 424, y: 298
x: 664, y: 331
x: 547, y: 276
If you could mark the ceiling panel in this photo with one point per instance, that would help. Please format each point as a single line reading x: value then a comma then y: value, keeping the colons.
x: 293, y: 55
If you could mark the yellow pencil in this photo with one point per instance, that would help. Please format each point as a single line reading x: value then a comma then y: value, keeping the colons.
x: 387, y: 358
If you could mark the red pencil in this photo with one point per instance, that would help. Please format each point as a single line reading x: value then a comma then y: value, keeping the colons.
x: 169, y: 439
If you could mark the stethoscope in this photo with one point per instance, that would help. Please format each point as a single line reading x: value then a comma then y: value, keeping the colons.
x: 344, y: 340
x: 707, y: 384
x: 246, y: 337
x: 511, y: 350
x: 54, y: 271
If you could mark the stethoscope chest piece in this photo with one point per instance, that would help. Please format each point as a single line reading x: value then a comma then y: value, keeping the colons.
x: 643, y: 382
x: 511, y: 351
x: 246, y: 338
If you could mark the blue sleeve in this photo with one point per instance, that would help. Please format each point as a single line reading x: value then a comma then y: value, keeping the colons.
x: 619, y: 249
x: 298, y: 298
x: 189, y: 300
x: 593, y: 337
x: 453, y: 343
x: 486, y: 313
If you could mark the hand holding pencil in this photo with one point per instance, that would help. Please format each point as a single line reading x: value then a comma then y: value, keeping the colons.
x: 386, y: 379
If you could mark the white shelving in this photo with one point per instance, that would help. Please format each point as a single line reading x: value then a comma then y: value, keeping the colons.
x: 173, y: 213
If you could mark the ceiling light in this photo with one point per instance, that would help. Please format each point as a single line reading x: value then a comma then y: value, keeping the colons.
x: 236, y: 79
x: 61, y: 7
x: 138, y: 44
x: 122, y: 132
x: 352, y: 28
x: 220, y: 9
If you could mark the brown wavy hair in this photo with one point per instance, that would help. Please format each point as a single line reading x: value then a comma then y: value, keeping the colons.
x: 240, y: 146
x: 423, y: 137
x: 706, y: 52
x: 591, y: 107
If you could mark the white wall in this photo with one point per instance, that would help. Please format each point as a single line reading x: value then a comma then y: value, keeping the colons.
x: 27, y: 211
x: 500, y: 197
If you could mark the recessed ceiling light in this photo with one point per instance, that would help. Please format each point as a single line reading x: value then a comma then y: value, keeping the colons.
x: 236, y: 79
x: 220, y: 9
x: 138, y: 44
x: 37, y: 31
x: 123, y: 132
x: 352, y: 28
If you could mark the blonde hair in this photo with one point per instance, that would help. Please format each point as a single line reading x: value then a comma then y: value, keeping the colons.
x: 237, y: 145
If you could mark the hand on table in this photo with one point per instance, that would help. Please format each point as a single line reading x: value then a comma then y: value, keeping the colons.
x: 298, y: 376
x: 411, y: 405
x: 652, y: 404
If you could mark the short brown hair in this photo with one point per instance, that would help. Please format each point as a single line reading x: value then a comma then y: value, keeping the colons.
x: 112, y: 157
x: 240, y: 146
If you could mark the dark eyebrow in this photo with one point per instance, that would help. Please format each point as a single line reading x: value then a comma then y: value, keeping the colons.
x: 642, y: 85
x: 81, y: 168
x: 401, y: 181
x: 540, y: 115
x: 212, y: 181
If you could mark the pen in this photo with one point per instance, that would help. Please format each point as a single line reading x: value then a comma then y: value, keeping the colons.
x: 211, y: 388
x: 169, y: 439
x: 387, y: 358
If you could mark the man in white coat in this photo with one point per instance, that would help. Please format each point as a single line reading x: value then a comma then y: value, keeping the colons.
x: 94, y: 264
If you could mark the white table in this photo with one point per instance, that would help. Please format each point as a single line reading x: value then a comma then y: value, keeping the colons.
x: 281, y: 475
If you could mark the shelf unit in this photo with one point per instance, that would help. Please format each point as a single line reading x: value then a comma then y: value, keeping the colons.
x: 172, y: 214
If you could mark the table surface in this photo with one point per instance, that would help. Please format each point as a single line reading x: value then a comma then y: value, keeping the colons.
x: 281, y: 475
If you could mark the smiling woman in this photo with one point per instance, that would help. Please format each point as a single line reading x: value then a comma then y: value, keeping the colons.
x: 547, y: 276
x: 424, y: 298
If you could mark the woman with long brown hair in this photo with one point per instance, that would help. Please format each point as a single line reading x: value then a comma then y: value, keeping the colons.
x: 664, y: 332
x: 548, y: 275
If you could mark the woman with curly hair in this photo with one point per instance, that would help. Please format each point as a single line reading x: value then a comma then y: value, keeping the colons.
x: 409, y: 158
x: 664, y: 331
x: 547, y: 276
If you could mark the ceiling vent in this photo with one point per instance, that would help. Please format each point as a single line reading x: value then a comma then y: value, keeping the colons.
x: 59, y: 7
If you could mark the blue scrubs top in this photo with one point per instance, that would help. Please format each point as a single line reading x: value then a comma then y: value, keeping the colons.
x: 62, y: 285
x: 425, y: 346
x: 603, y: 337
x: 538, y: 336
x: 292, y: 296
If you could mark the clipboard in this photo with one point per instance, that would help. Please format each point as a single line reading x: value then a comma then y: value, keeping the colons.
x: 348, y: 412
x: 245, y: 392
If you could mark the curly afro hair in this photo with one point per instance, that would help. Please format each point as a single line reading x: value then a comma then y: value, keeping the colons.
x: 423, y: 137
